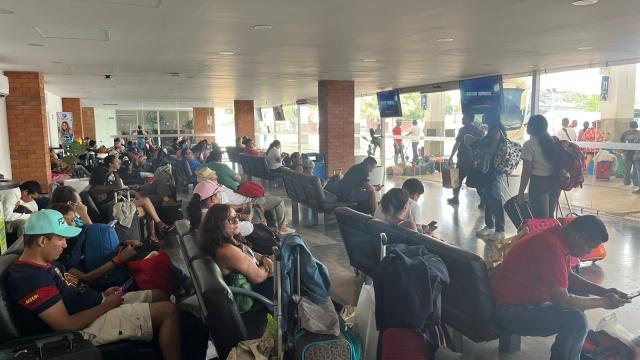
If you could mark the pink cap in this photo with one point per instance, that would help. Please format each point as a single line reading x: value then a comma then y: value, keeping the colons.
x: 206, y: 189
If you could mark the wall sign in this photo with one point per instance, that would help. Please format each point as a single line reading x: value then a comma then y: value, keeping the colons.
x: 604, y: 88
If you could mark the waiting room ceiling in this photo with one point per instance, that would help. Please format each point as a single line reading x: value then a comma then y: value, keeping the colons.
x: 140, y: 42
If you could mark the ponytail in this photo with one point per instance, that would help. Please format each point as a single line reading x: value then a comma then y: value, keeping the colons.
x: 194, y: 211
x: 538, y: 126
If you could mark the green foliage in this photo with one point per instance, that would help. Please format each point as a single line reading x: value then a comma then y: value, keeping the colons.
x: 369, y: 109
x: 412, y: 106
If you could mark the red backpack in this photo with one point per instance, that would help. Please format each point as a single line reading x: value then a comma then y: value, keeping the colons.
x: 251, y: 189
x: 568, y: 161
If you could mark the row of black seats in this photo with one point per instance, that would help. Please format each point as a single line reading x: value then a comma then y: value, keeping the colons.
x: 307, y: 190
x: 255, y: 167
x: 227, y: 326
x: 467, y: 302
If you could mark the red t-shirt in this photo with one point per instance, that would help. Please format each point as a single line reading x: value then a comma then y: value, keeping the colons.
x: 397, y: 131
x: 536, y: 263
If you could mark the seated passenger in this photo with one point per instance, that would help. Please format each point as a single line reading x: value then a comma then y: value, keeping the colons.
x: 532, y: 286
x: 308, y: 167
x: 117, y: 148
x: 249, y: 148
x: 37, y: 284
x: 226, y: 175
x: 194, y: 164
x: 415, y: 189
x: 205, y: 195
x: 220, y: 236
x: 104, y: 183
x: 19, y: 204
x: 395, y: 205
x: 355, y: 187
x: 68, y: 195
x: 274, y: 156
x: 296, y: 162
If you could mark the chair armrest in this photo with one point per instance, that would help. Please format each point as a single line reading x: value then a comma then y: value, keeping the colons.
x: 39, y: 340
x: 252, y: 294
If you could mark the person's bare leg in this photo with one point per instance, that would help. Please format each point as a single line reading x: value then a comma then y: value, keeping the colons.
x: 158, y: 296
x: 146, y: 204
x: 165, y: 319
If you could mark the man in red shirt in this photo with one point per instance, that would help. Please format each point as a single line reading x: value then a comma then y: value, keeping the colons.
x: 398, y: 156
x: 531, y: 287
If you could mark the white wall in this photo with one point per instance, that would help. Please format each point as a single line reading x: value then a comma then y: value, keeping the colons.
x: 105, y: 126
x: 5, y: 159
x: 53, y: 105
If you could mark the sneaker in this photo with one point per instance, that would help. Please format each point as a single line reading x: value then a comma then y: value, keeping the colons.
x: 484, y: 231
x: 498, y: 235
x: 286, y: 230
x: 453, y: 201
x: 636, y: 191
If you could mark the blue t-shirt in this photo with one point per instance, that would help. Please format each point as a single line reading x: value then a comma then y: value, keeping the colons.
x: 38, y: 287
x: 194, y: 165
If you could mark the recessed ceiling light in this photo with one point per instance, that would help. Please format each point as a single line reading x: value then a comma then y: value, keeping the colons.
x: 6, y: 12
x: 36, y: 44
x: 174, y: 74
x: 531, y: 66
x: 56, y: 62
x: 262, y: 27
x: 445, y: 40
x: 292, y: 80
x: 227, y: 53
x: 585, y: 48
x: 369, y: 60
x: 584, y: 2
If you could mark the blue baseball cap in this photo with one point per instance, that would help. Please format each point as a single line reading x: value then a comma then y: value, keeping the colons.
x: 49, y: 222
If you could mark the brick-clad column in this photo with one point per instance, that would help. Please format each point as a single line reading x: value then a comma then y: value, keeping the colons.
x: 201, y: 123
x: 245, y: 118
x: 72, y: 105
x: 336, y: 106
x: 89, y: 122
x: 28, y: 128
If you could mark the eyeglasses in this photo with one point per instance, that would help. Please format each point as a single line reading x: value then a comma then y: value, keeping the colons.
x: 233, y: 219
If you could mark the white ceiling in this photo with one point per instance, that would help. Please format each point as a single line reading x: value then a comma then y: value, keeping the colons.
x: 141, y: 41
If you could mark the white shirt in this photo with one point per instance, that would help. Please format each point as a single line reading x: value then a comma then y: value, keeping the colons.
x: 274, y: 159
x: 532, y: 151
x: 228, y: 196
x: 413, y: 214
x: 415, y: 133
x: 569, y: 135
x: 10, y: 199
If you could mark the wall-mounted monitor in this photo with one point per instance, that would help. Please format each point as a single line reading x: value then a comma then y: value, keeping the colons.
x: 259, y: 114
x: 476, y: 95
x: 389, y: 104
x: 278, y: 113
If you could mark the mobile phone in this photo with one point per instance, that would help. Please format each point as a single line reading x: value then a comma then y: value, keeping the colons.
x: 113, y: 223
x: 122, y: 289
x: 433, y: 225
x: 633, y: 295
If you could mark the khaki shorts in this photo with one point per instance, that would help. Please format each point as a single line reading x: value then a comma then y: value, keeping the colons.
x: 130, y: 321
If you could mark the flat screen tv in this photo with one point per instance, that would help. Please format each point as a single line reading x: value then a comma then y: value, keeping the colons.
x: 476, y: 95
x: 278, y: 113
x: 389, y: 104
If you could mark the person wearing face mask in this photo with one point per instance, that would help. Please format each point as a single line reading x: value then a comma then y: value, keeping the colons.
x: 220, y: 236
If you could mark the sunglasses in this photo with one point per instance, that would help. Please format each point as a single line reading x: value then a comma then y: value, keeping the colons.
x: 232, y: 220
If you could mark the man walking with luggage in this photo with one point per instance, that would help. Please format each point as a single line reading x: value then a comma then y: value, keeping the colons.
x: 531, y: 286
x: 464, y: 153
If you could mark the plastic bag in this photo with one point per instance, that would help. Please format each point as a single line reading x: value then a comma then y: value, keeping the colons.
x: 364, y: 324
x: 610, y: 325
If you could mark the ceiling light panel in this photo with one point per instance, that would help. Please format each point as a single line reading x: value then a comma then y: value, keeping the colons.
x: 68, y: 33
x: 584, y: 2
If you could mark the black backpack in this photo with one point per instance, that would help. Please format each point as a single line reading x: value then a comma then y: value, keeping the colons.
x: 263, y: 239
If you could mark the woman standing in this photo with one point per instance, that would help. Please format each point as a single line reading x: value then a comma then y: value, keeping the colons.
x: 491, y: 192
x: 537, y: 170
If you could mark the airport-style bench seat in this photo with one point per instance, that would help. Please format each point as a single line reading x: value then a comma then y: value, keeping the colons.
x: 219, y: 310
x: 307, y: 190
x: 468, y: 306
x: 232, y: 153
x: 255, y: 166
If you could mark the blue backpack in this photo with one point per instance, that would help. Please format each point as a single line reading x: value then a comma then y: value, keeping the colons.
x: 96, y: 245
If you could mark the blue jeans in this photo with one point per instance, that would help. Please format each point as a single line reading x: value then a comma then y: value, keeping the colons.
x: 546, y: 319
x: 492, y: 197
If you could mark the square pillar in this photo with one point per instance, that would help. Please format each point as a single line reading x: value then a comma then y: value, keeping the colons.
x: 28, y: 127
x: 73, y: 106
x: 204, y: 123
x: 336, y: 106
x: 245, y: 118
x: 89, y: 122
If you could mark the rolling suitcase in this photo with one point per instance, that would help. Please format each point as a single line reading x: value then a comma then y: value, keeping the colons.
x: 403, y: 344
x: 62, y: 346
x: 518, y: 213
x: 603, y: 170
x: 133, y: 232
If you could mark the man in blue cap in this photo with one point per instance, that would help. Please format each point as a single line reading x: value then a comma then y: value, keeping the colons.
x: 38, y: 284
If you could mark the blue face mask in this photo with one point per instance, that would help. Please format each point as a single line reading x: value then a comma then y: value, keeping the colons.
x: 78, y: 222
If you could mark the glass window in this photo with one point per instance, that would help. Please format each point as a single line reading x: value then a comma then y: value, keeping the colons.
x: 225, y: 127
x: 287, y: 130
x: 367, y: 121
x: 309, y: 135
x: 265, y: 128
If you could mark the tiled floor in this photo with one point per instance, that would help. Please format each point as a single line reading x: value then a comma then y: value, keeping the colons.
x: 457, y: 226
